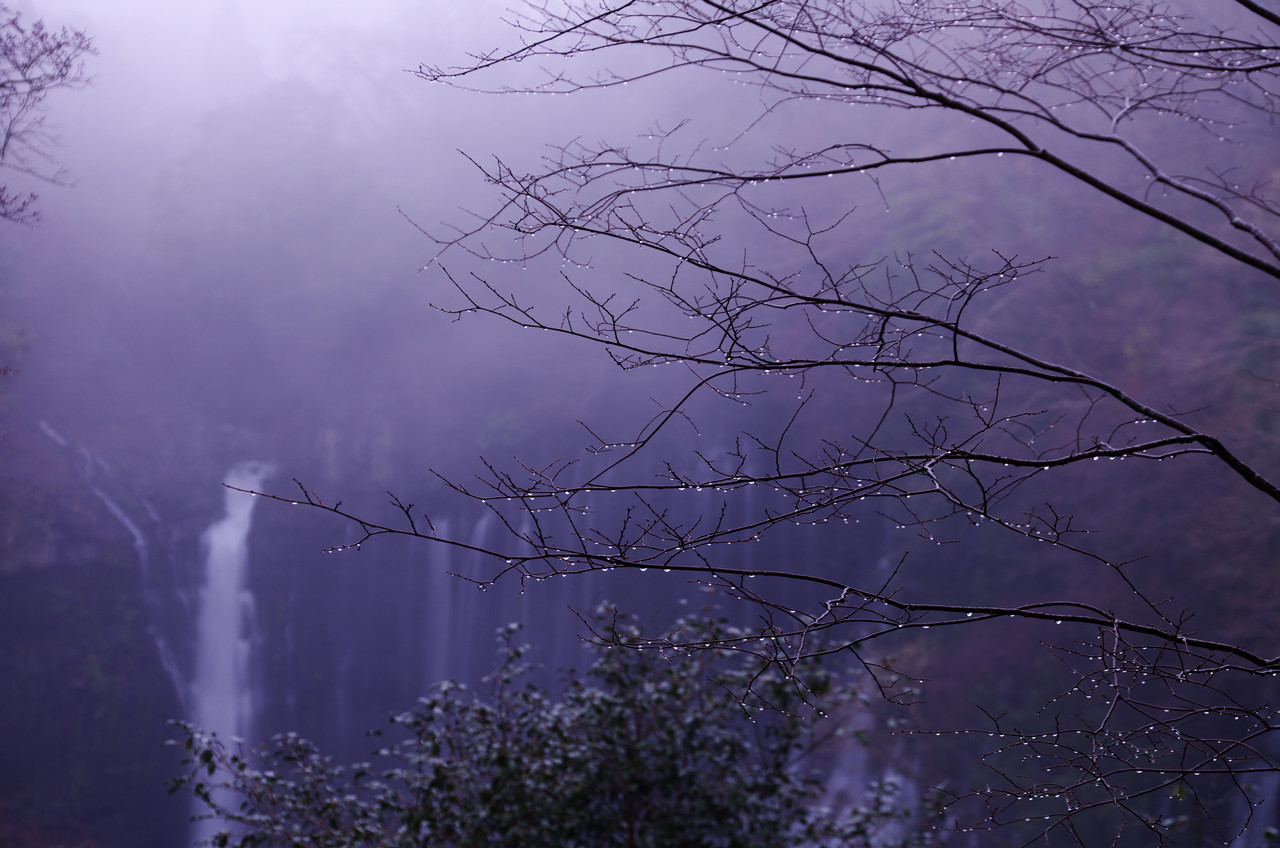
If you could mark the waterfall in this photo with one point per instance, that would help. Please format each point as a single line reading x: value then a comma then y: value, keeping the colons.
x: 167, y: 659
x: 91, y: 469
x: 438, y: 605
x: 221, y: 695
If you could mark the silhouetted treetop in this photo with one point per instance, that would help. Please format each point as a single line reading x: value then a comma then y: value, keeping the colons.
x: 35, y: 61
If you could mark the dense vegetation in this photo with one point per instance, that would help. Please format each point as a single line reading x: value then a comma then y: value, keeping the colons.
x: 646, y: 749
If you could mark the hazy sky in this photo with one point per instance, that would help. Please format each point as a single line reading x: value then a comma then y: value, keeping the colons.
x: 252, y: 157
x: 161, y: 67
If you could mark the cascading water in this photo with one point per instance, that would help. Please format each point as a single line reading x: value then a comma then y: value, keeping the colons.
x: 97, y: 474
x: 221, y: 696
x: 437, y: 624
x: 143, y: 550
x: 357, y: 636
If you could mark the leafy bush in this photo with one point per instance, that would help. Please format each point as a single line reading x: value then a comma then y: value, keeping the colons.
x: 655, y: 748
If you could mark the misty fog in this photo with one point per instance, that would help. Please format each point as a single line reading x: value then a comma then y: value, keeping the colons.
x: 239, y: 265
x: 234, y: 270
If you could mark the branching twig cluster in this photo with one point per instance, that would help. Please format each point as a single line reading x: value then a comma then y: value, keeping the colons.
x: 739, y: 274
x: 34, y: 61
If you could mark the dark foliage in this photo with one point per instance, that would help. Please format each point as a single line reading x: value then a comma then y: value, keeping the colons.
x: 647, y: 748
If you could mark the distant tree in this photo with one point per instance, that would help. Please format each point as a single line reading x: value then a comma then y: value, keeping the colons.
x: 975, y: 396
x: 647, y: 749
x: 34, y: 61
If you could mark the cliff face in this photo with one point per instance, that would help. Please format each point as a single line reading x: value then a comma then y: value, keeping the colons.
x: 45, y: 517
x: 84, y: 695
x: 101, y: 570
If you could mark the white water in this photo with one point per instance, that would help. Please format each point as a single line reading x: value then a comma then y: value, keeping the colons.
x: 143, y: 550
x: 90, y: 468
x: 221, y: 694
